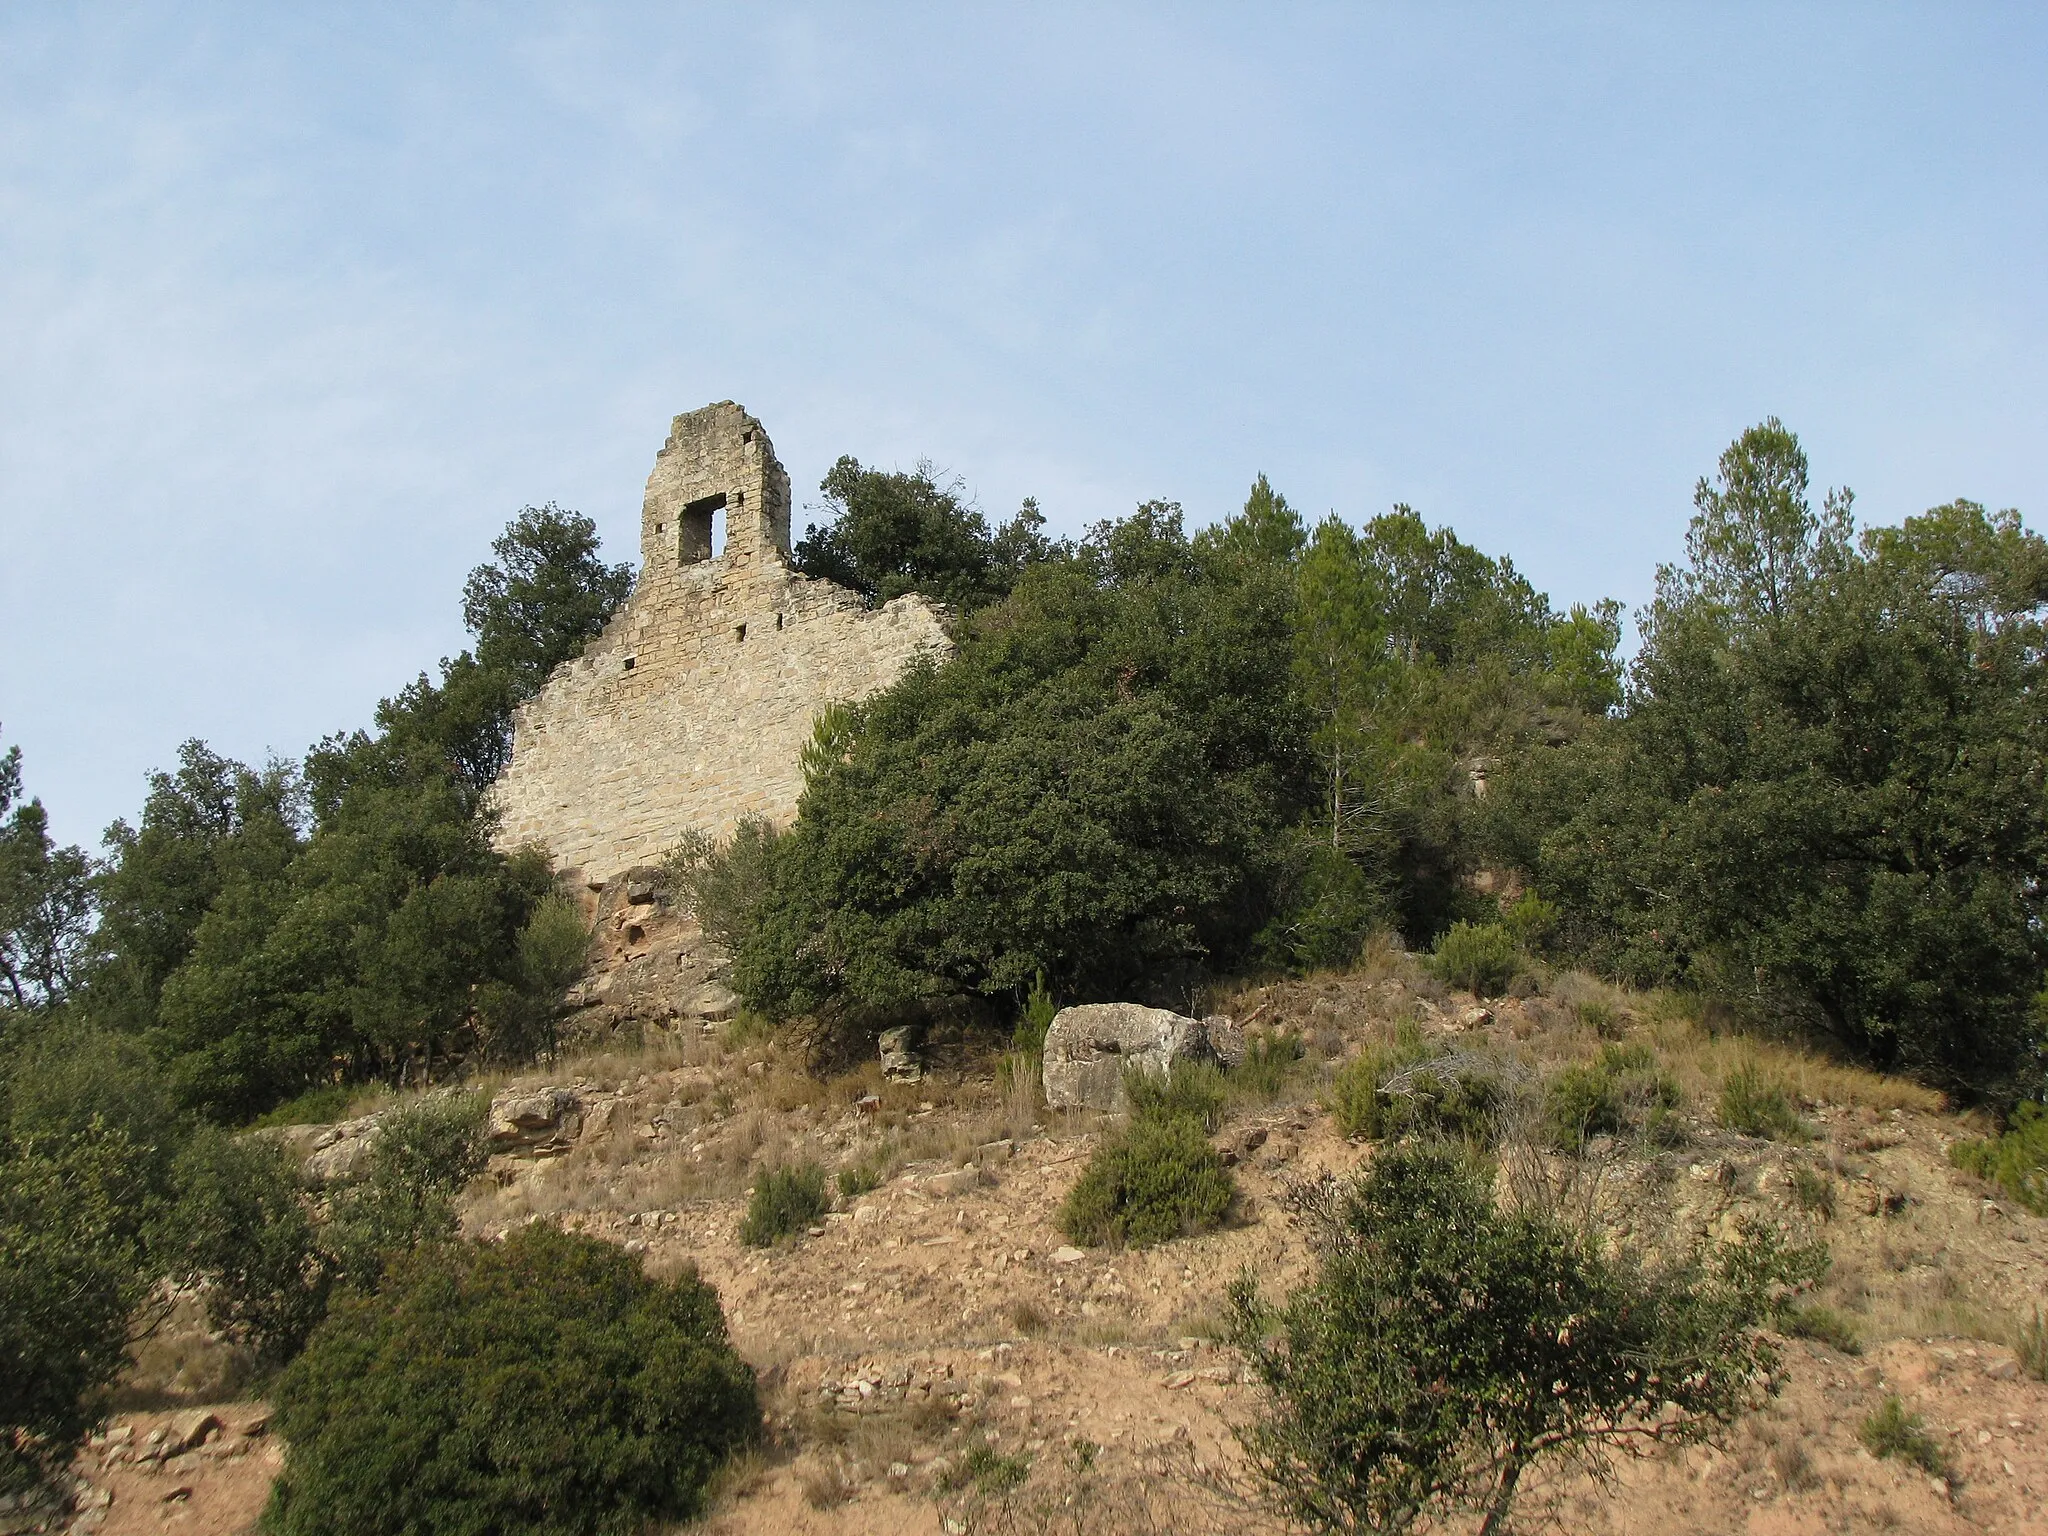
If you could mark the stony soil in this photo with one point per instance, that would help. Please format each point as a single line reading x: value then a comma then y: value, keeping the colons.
x: 936, y: 1334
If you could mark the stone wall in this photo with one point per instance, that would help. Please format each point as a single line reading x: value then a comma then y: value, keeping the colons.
x: 690, y: 710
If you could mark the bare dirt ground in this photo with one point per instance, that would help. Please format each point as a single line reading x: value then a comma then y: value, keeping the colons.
x: 936, y: 1358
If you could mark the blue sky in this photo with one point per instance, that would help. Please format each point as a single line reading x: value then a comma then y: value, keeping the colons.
x: 299, y: 304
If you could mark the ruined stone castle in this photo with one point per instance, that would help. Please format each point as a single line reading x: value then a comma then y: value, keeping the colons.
x: 691, y: 709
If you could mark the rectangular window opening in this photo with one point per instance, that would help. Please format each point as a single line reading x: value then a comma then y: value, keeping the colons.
x: 740, y: 633
x: 700, y: 531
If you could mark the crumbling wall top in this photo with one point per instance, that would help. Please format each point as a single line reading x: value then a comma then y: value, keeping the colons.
x: 717, y: 460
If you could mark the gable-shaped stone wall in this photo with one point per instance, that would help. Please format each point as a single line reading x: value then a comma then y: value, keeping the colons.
x: 691, y: 709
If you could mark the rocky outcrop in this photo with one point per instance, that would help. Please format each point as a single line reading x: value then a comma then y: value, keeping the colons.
x: 535, y: 1121
x: 1090, y: 1047
x: 651, y: 967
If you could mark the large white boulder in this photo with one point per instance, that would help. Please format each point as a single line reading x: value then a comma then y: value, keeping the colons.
x: 1089, y: 1048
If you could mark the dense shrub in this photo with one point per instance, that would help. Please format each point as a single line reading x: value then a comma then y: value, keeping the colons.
x: 1091, y: 789
x: 1157, y: 1180
x: 1269, y: 1061
x: 1193, y: 1090
x: 544, y: 1385
x: 1446, y: 1347
x: 1826, y: 795
x: 1407, y: 1087
x: 722, y: 885
x: 1619, y: 1093
x: 71, y: 1273
x: 2017, y: 1161
x: 1480, y: 957
x: 1822, y: 1324
x: 784, y: 1202
x: 1757, y: 1104
x: 242, y: 1225
x: 421, y: 1158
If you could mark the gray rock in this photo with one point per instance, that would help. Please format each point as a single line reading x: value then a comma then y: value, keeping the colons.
x: 341, y: 1159
x: 1088, y: 1048
x: 1226, y: 1039
x: 901, y: 1062
x: 712, y: 1001
x: 527, y: 1117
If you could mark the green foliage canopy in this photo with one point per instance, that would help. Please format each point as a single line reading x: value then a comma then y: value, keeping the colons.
x: 45, y: 903
x: 543, y: 1385
x: 1446, y: 1346
x: 1089, y: 790
x: 1827, y: 795
x: 890, y: 533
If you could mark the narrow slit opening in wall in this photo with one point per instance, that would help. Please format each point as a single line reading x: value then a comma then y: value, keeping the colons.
x: 740, y: 633
x: 778, y: 621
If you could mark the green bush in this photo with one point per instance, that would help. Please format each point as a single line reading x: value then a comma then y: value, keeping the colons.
x: 722, y: 884
x: 858, y: 1177
x: 1893, y: 1432
x: 1407, y: 1088
x: 73, y: 1083
x: 1355, y: 1092
x: 2017, y: 1162
x: 1091, y: 787
x: 419, y: 1162
x: 1600, y: 1017
x: 1756, y: 1104
x: 784, y: 1202
x: 1445, y: 1347
x: 1619, y: 1093
x: 2031, y: 1346
x: 316, y: 1106
x: 1532, y: 920
x: 1192, y: 1090
x: 241, y: 1224
x: 1480, y: 957
x: 1157, y: 1180
x: 1035, y: 1020
x: 544, y: 1385
x: 1326, y: 907
x: 983, y: 1468
x: 71, y: 1273
x: 1269, y: 1060
x: 1814, y: 1191
x: 1824, y: 1325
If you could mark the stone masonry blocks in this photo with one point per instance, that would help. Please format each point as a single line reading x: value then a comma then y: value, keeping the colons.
x: 691, y: 709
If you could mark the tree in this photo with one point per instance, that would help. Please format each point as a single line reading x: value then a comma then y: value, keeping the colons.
x: 892, y: 533
x: 545, y: 598
x: 1825, y: 797
x: 1090, y: 789
x: 70, y: 1275
x: 543, y: 1384
x: 1755, y: 539
x: 1266, y: 531
x: 1447, y: 1347
x: 211, y: 823
x: 45, y: 902
x: 1343, y: 670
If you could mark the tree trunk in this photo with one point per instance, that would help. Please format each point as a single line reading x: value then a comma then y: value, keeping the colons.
x: 1503, y: 1496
